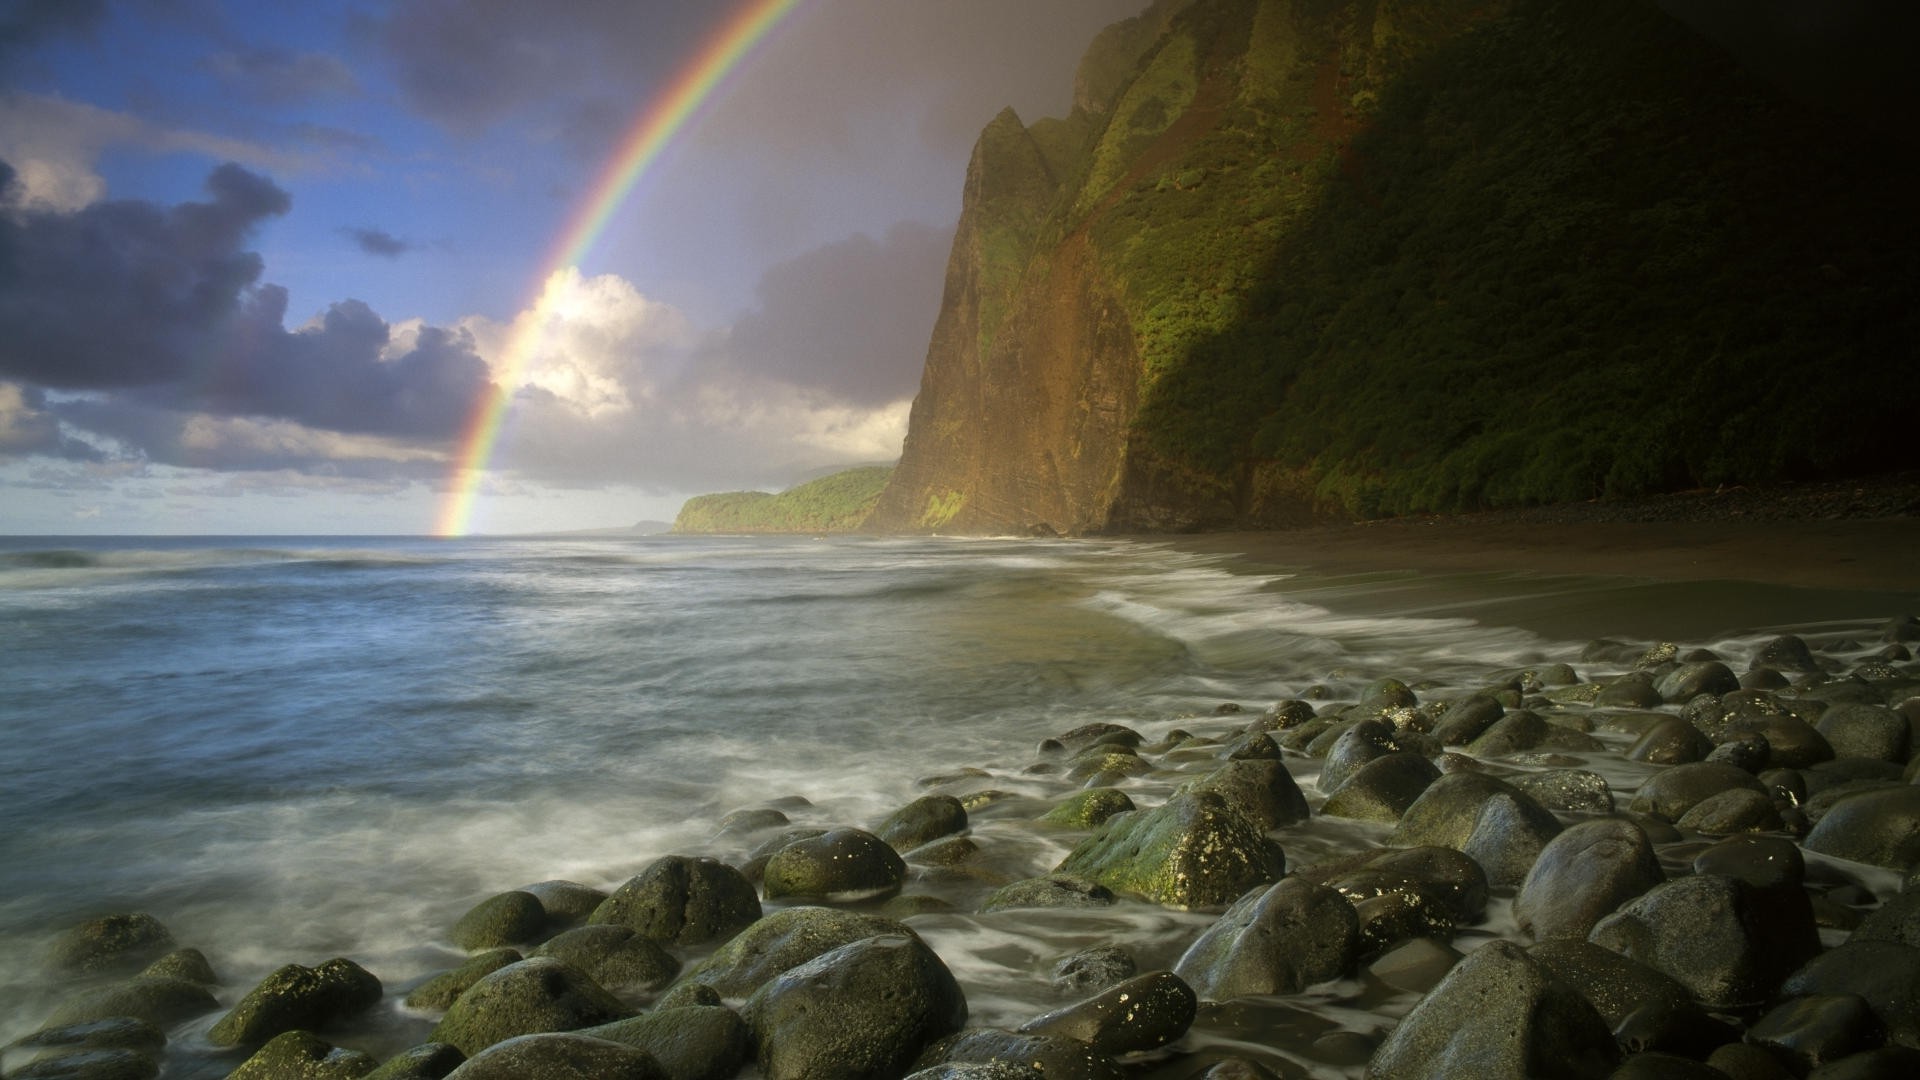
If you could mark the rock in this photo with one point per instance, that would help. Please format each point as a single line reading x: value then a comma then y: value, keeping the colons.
x: 1792, y: 743
x: 1258, y: 746
x: 1286, y: 713
x: 297, y: 998
x: 840, y: 865
x: 1762, y: 861
x: 1401, y: 894
x: 865, y: 1009
x: 533, y: 996
x: 1736, y: 811
x: 1143, y: 1013
x: 123, y: 942
x: 1897, y: 920
x: 1053, y: 1057
x: 568, y: 903
x: 1052, y: 891
x: 116, y: 1033
x: 1689, y: 681
x: 1784, y: 653
x: 302, y: 1055
x: 1382, y: 789
x: 1575, y: 791
x: 1617, y: 987
x: 1088, y: 808
x: 1672, y: 792
x: 694, y: 1042
x: 1191, y: 851
x: 1465, y: 719
x: 1101, y: 733
x: 1886, y: 1063
x: 1258, y: 789
x: 1727, y: 942
x: 1866, y: 731
x: 784, y: 939
x: 1492, y: 821
x: 750, y: 820
x: 616, y: 957
x: 1093, y: 968
x: 439, y: 992
x: 1498, y: 1014
x: 1880, y: 827
x: 188, y: 964
x: 1352, y: 748
x: 1884, y: 974
x: 559, y: 1056
x: 1278, y: 940
x: 1512, y: 733
x: 160, y: 1001
x: 927, y: 818
x: 1634, y: 690
x: 1659, y: 1066
x: 508, y: 918
x: 949, y: 851
x: 1416, y: 965
x: 1105, y: 764
x: 1749, y: 753
x: 1817, y: 1030
x: 91, y: 1065
x: 992, y: 1070
x: 1745, y: 1061
x: 678, y: 900
x: 1582, y: 875
x: 1671, y: 742
x: 427, y: 1061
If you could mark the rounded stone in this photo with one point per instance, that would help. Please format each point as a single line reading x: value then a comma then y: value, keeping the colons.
x: 784, y: 939
x: 927, y: 818
x: 103, y: 1065
x: 1144, y: 1013
x: 614, y: 956
x: 1881, y: 827
x: 1763, y: 861
x: 682, y: 900
x: 1277, y: 940
x: 838, y: 865
x: 1582, y: 875
x: 440, y: 991
x: 1191, y: 851
x: 1258, y: 789
x: 1672, y: 792
x: 304, y: 1055
x: 1737, y: 811
x: 123, y: 942
x: 864, y: 1010
x: 157, y: 1000
x: 1086, y: 809
x: 533, y: 996
x: 559, y: 1056
x: 1727, y: 942
x: 1094, y: 968
x: 694, y: 1042
x: 298, y: 998
x: 1051, y: 891
x: 1382, y: 789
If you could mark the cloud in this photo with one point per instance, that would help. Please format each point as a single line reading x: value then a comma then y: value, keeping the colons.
x: 28, y: 24
x: 378, y: 242
x: 850, y: 320
x: 281, y: 76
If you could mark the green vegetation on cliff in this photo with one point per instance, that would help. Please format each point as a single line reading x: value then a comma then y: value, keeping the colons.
x: 832, y: 504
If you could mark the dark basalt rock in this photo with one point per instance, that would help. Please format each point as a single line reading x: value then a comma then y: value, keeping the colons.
x: 1886, y: 1063
x: 1689, y: 681
x: 927, y: 818
x: 1260, y: 790
x: 440, y: 991
x: 296, y: 997
x: 784, y: 939
x: 1416, y: 965
x: 1671, y: 742
x: 428, y: 1061
x: 1497, y: 1014
x: 1402, y: 894
x: 1729, y: 943
x: 92, y: 1065
x: 1817, y: 1030
x: 1659, y: 1066
x: 1088, y: 808
x: 533, y: 996
x: 1884, y: 974
x: 1574, y: 791
x: 1053, y: 1057
x: 1094, y: 968
x: 693, y: 1042
x: 1787, y: 652
x: 863, y: 1010
x: 568, y: 903
x: 992, y: 1070
x: 123, y: 942
x: 508, y: 918
x: 616, y: 957
x: 1382, y: 789
x: 1352, y: 748
x: 1278, y: 940
x: 160, y: 1001
x: 1672, y: 792
x: 304, y: 1055
x: 1792, y: 743
x: 1502, y: 828
x: 839, y: 865
x: 1897, y: 920
x: 1866, y: 731
x: 1745, y: 1061
x: 678, y: 900
x: 1582, y: 875
x: 1738, y: 811
x: 1617, y: 987
x: 1052, y: 891
x: 1881, y: 827
x: 1516, y: 731
x: 1466, y: 718
x: 1143, y: 1013
x: 1191, y: 851
x: 559, y: 1056
x: 1762, y: 861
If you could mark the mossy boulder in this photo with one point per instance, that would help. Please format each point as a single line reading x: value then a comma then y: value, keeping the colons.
x: 682, y: 900
x: 158, y: 1000
x: 91, y: 1065
x: 693, y: 1042
x: 1051, y: 891
x: 839, y: 865
x: 1277, y: 940
x: 925, y: 819
x: 784, y: 939
x: 1260, y: 790
x: 188, y: 964
x: 427, y: 1061
x: 1192, y: 851
x: 535, y: 995
x: 1144, y: 1013
x: 863, y: 1010
x: 509, y: 918
x: 559, y: 1056
x: 301, y: 1055
x: 440, y: 991
x: 616, y: 957
x: 1086, y: 809
x: 567, y: 902
x: 121, y: 942
x: 297, y: 998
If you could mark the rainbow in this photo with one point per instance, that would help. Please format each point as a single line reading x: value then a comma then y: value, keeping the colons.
x: 664, y: 117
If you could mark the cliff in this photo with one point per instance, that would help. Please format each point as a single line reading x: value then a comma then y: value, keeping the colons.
x: 837, y: 503
x: 1297, y: 258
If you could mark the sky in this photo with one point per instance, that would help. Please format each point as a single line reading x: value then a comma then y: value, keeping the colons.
x: 260, y: 263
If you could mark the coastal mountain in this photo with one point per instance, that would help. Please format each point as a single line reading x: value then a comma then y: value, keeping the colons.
x: 1288, y: 259
x: 837, y: 503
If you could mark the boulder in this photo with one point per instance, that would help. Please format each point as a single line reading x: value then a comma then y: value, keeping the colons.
x: 1739, y: 810
x: 1688, y: 681
x: 1088, y: 808
x: 1788, y: 652
x: 1727, y: 942
x: 92, y: 1065
x: 427, y: 1061
x: 1574, y: 791
x: 681, y: 900
x: 567, y: 903
x: 123, y: 942
x: 188, y: 964
x: 1143, y: 1013
x: 1634, y: 690
x: 1416, y: 965
x: 117, y: 1033
x: 1052, y: 1057
x: 1352, y: 748
x: 1673, y: 741
x: 1762, y: 861
x: 1672, y: 792
x: 1897, y: 920
x: 1052, y: 891
x: 693, y: 1042
x: 1502, y: 828
x: 533, y: 996
x: 1277, y: 940
x: 1884, y: 974
x: 784, y: 939
x: 616, y: 957
x: 508, y: 918
x: 1382, y: 789
x: 1498, y: 1014
x: 559, y: 1056
x: 1516, y: 731
x: 863, y: 1010
x: 440, y: 991
x: 1874, y: 732
x: 1410, y: 893
x: 1466, y: 718
x: 1582, y: 875
x: 1817, y: 1030
x: 1191, y: 851
x: 927, y: 818
x: 1094, y: 968
x: 1881, y: 827
x: 1258, y: 789
x: 296, y: 997
x: 157, y: 1000
x: 302, y: 1054
x: 839, y: 865
x: 1616, y: 986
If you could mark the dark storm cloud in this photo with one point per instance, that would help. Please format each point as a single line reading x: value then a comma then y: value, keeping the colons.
x: 851, y: 319
x: 26, y: 24
x: 281, y: 76
x: 162, y: 307
x: 378, y: 242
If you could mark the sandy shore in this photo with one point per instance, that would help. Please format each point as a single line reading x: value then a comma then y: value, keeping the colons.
x: 1868, y: 555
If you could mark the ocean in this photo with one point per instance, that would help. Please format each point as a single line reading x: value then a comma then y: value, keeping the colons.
x: 290, y: 749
